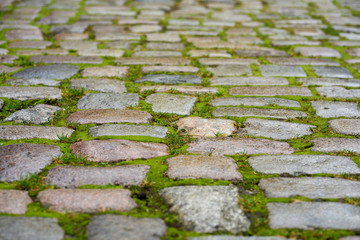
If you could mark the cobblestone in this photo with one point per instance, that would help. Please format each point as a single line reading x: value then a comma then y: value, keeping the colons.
x: 14, y: 201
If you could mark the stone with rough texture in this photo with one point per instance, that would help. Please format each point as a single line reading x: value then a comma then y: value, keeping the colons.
x: 24, y: 34
x: 101, y: 116
x: 1, y: 103
x: 108, y: 101
x: 20, y: 160
x: 182, y: 89
x: 30, y: 93
x: 87, y: 200
x: 330, y: 82
x: 118, y: 150
x: 302, y: 61
x: 230, y: 70
x: 201, y: 127
x: 116, y: 227
x: 170, y: 79
x: 250, y: 101
x: 232, y: 146
x: 336, y: 145
x: 182, y: 69
x: 270, y: 91
x: 346, y: 126
x: 14, y: 201
x: 327, y: 109
x: 54, y: 71
x: 14, y: 132
x: 332, y: 72
x: 203, y: 166
x: 311, y: 215
x: 98, y: 84
x: 41, y: 113
x: 30, y: 228
x: 338, y: 92
x: 152, y: 61
x: 128, y: 130
x: 66, y: 59
x: 228, y: 237
x: 33, y: 81
x: 77, y: 176
x: 170, y: 103
x: 318, y: 52
x: 248, y: 81
x: 207, y: 208
x: 257, y: 112
x: 282, y: 71
x: 105, y: 71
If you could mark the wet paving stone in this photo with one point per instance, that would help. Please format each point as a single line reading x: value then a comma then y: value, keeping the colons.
x: 87, y: 200
x: 108, y: 101
x: 77, y: 176
x: 330, y: 82
x: 257, y: 112
x: 258, y: 101
x: 105, y: 71
x: 317, y: 52
x: 170, y: 103
x: 66, y: 59
x: 98, y: 84
x: 332, y: 72
x: 30, y: 228
x: 300, y: 164
x: 248, y: 81
x: 118, y: 150
x: 328, y: 109
x: 125, y: 228
x: 311, y: 215
x: 346, y: 126
x: 230, y: 70
x: 20, y: 160
x: 310, y: 187
x: 170, y: 79
x: 128, y: 130
x: 336, y: 145
x: 14, y: 132
x: 14, y: 201
x: 38, y: 114
x: 338, y: 92
x: 182, y: 89
x: 215, y: 203
x: 282, y: 71
x: 201, y: 127
x: 270, y: 91
x: 202, y: 166
x: 29, y: 93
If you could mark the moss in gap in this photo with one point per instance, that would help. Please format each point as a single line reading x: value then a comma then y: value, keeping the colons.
x: 24, y: 61
x: 80, y: 11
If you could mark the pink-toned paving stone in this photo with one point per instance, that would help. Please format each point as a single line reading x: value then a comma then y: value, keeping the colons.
x: 336, y: 145
x: 14, y: 201
x: 202, y: 127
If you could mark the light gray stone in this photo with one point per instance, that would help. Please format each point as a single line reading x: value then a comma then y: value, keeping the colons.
x: 54, y: 71
x: 105, y: 71
x: 145, y: 28
x: 41, y: 113
x: 78, y: 45
x: 157, y: 54
x: 108, y: 101
x: 330, y: 82
x: 201, y: 127
x: 30, y: 93
x: 66, y: 59
x: 332, y: 72
x: 24, y: 34
x: 1, y: 103
x: 170, y: 103
x: 102, y: 52
x: 338, y: 92
x: 279, y: 43
x: 270, y: 91
x: 6, y: 69
x: 328, y: 109
x: 282, y: 71
x: 228, y: 237
x: 257, y: 112
x: 248, y: 81
x: 207, y: 208
x: 170, y: 79
x: 346, y: 126
x: 336, y: 145
x: 30, y: 44
x: 318, y: 52
x: 128, y: 130
x: 14, y: 132
x: 302, y: 61
x: 33, y: 81
x: 14, y: 201
x: 260, y: 52
x: 98, y: 84
x: 230, y: 70
x: 152, y: 61
x: 250, y: 101
x: 226, y: 61
x: 182, y: 69
x: 182, y: 89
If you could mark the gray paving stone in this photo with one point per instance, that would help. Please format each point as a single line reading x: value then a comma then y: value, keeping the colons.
x: 102, y: 52
x: 302, y: 61
x: 346, y: 43
x: 118, y: 150
x: 128, y: 130
x: 328, y: 109
x: 355, y: 52
x: 14, y: 201
x: 170, y: 79
x: 229, y: 146
x: 30, y: 228
x: 37, y: 52
x: 330, y: 82
x: 279, y: 43
x: 209, y: 53
x: 38, y: 114
x: 54, y: 71
x: 270, y: 91
x: 101, y: 116
x: 300, y: 164
x: 6, y: 69
x: 32, y: 81
x: 108, y: 101
x: 1, y: 103
x: 77, y: 176
x: 251, y: 101
x: 332, y: 72
x: 14, y: 132
x: 201, y: 127
x: 66, y: 59
x: 182, y: 69
x: 350, y: 238
x: 165, y: 46
x: 318, y: 52
x: 98, y: 84
x: 87, y: 200
x: 24, y: 34
x: 311, y: 215
x: 335, y: 145
x: 170, y: 103
x: 20, y: 160
x: 203, y: 166
x: 274, y: 129
x: 228, y: 237
x: 248, y: 81
x: 226, y: 61
x: 282, y: 71
x: 338, y: 92
x: 163, y: 37
x: 346, y: 126
x: 30, y: 44
x: 157, y: 54
x: 8, y: 59
x: 105, y: 71
x: 78, y: 45
x: 310, y: 187
x: 230, y: 70
x: 257, y: 112
x: 182, y: 89
x: 117, y: 227
x: 207, y: 208
x: 145, y: 28
x: 261, y: 52
x: 152, y: 61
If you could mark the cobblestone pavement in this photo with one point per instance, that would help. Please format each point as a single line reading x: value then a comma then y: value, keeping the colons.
x: 179, y: 119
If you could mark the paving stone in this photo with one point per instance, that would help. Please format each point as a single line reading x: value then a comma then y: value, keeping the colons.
x: 332, y: 72
x: 328, y: 109
x: 165, y: 46
x: 336, y: 145
x: 228, y: 237
x: 87, y: 200
x: 102, y: 52
x: 303, y: 164
x: 282, y: 71
x: 38, y: 114
x: 157, y: 54
x: 24, y: 34
x: 38, y: 52
x: 30, y: 228
x: 230, y: 70
x: 101, y: 116
x: 170, y: 79
x: 108, y: 101
x: 118, y: 150
x: 20, y: 160
x: 163, y: 37
x: 338, y: 92
x: 183, y: 69
x: 350, y: 238
x: 66, y: 59
x: 311, y: 215
x: 270, y: 91
x: 152, y: 61
x: 14, y: 132
x: 261, y: 52
x: 202, y: 166
x: 182, y: 89
x: 355, y: 52
x: 55, y: 71
x: 125, y: 228
x: 248, y: 81
x: 318, y: 52
x: 207, y: 208
x: 105, y: 71
x: 98, y: 84
x: 14, y: 201
x: 346, y: 43
x: 30, y: 44
x: 330, y: 82
x: 29, y: 93
x: 346, y: 126
x: 229, y: 146
x: 128, y: 130
x: 279, y: 43
x: 76, y: 176
x: 202, y: 127
x: 78, y: 45
x: 6, y: 69
x: 302, y: 61
x: 310, y: 187
x: 274, y: 129
x: 8, y: 59
x: 1, y: 103
x: 226, y: 61
x: 209, y: 53
x: 170, y: 103
x: 32, y: 81
x: 257, y: 112
x: 145, y: 28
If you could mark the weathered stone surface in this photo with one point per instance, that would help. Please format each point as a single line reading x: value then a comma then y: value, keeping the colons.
x: 226, y: 61
x: 157, y: 54
x: 330, y: 82
x: 302, y: 61
x: 165, y: 46
x: 87, y: 200
x: 202, y: 127
x: 355, y: 52
x: 30, y: 44
x: 145, y: 28
x: 259, y: 52
x: 182, y: 69
x: 66, y: 59
x: 118, y: 150
x: 274, y: 129
x: 332, y: 72
x: 248, y: 81
x: 125, y: 228
x: 163, y: 37
x: 6, y: 69
x: 78, y: 45
x: 203, y: 166
x: 24, y: 34
x: 336, y: 145
x: 128, y: 130
x: 170, y: 79
x: 14, y: 132
x: 75, y: 176
x: 108, y: 101
x: 259, y: 101
x: 229, y: 146
x: 1, y: 103
x: 257, y: 112
x: 102, y: 52
x: 33, y: 81
x: 328, y: 109
x: 182, y: 89
x: 14, y: 201
x: 270, y: 91
x: 170, y: 103
x: 299, y: 164
x: 41, y: 113
x: 338, y: 92
x: 152, y: 61
x: 8, y: 59
x: 230, y: 70
x: 228, y: 237
x: 282, y: 71
x: 99, y: 84
x: 318, y: 52
x: 105, y: 71
x: 207, y: 208
x: 20, y: 160
x: 30, y: 228
x: 310, y: 187
x: 54, y: 71
x: 38, y: 52
x: 101, y: 116
x: 311, y: 215
x: 29, y: 93
x: 346, y: 126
